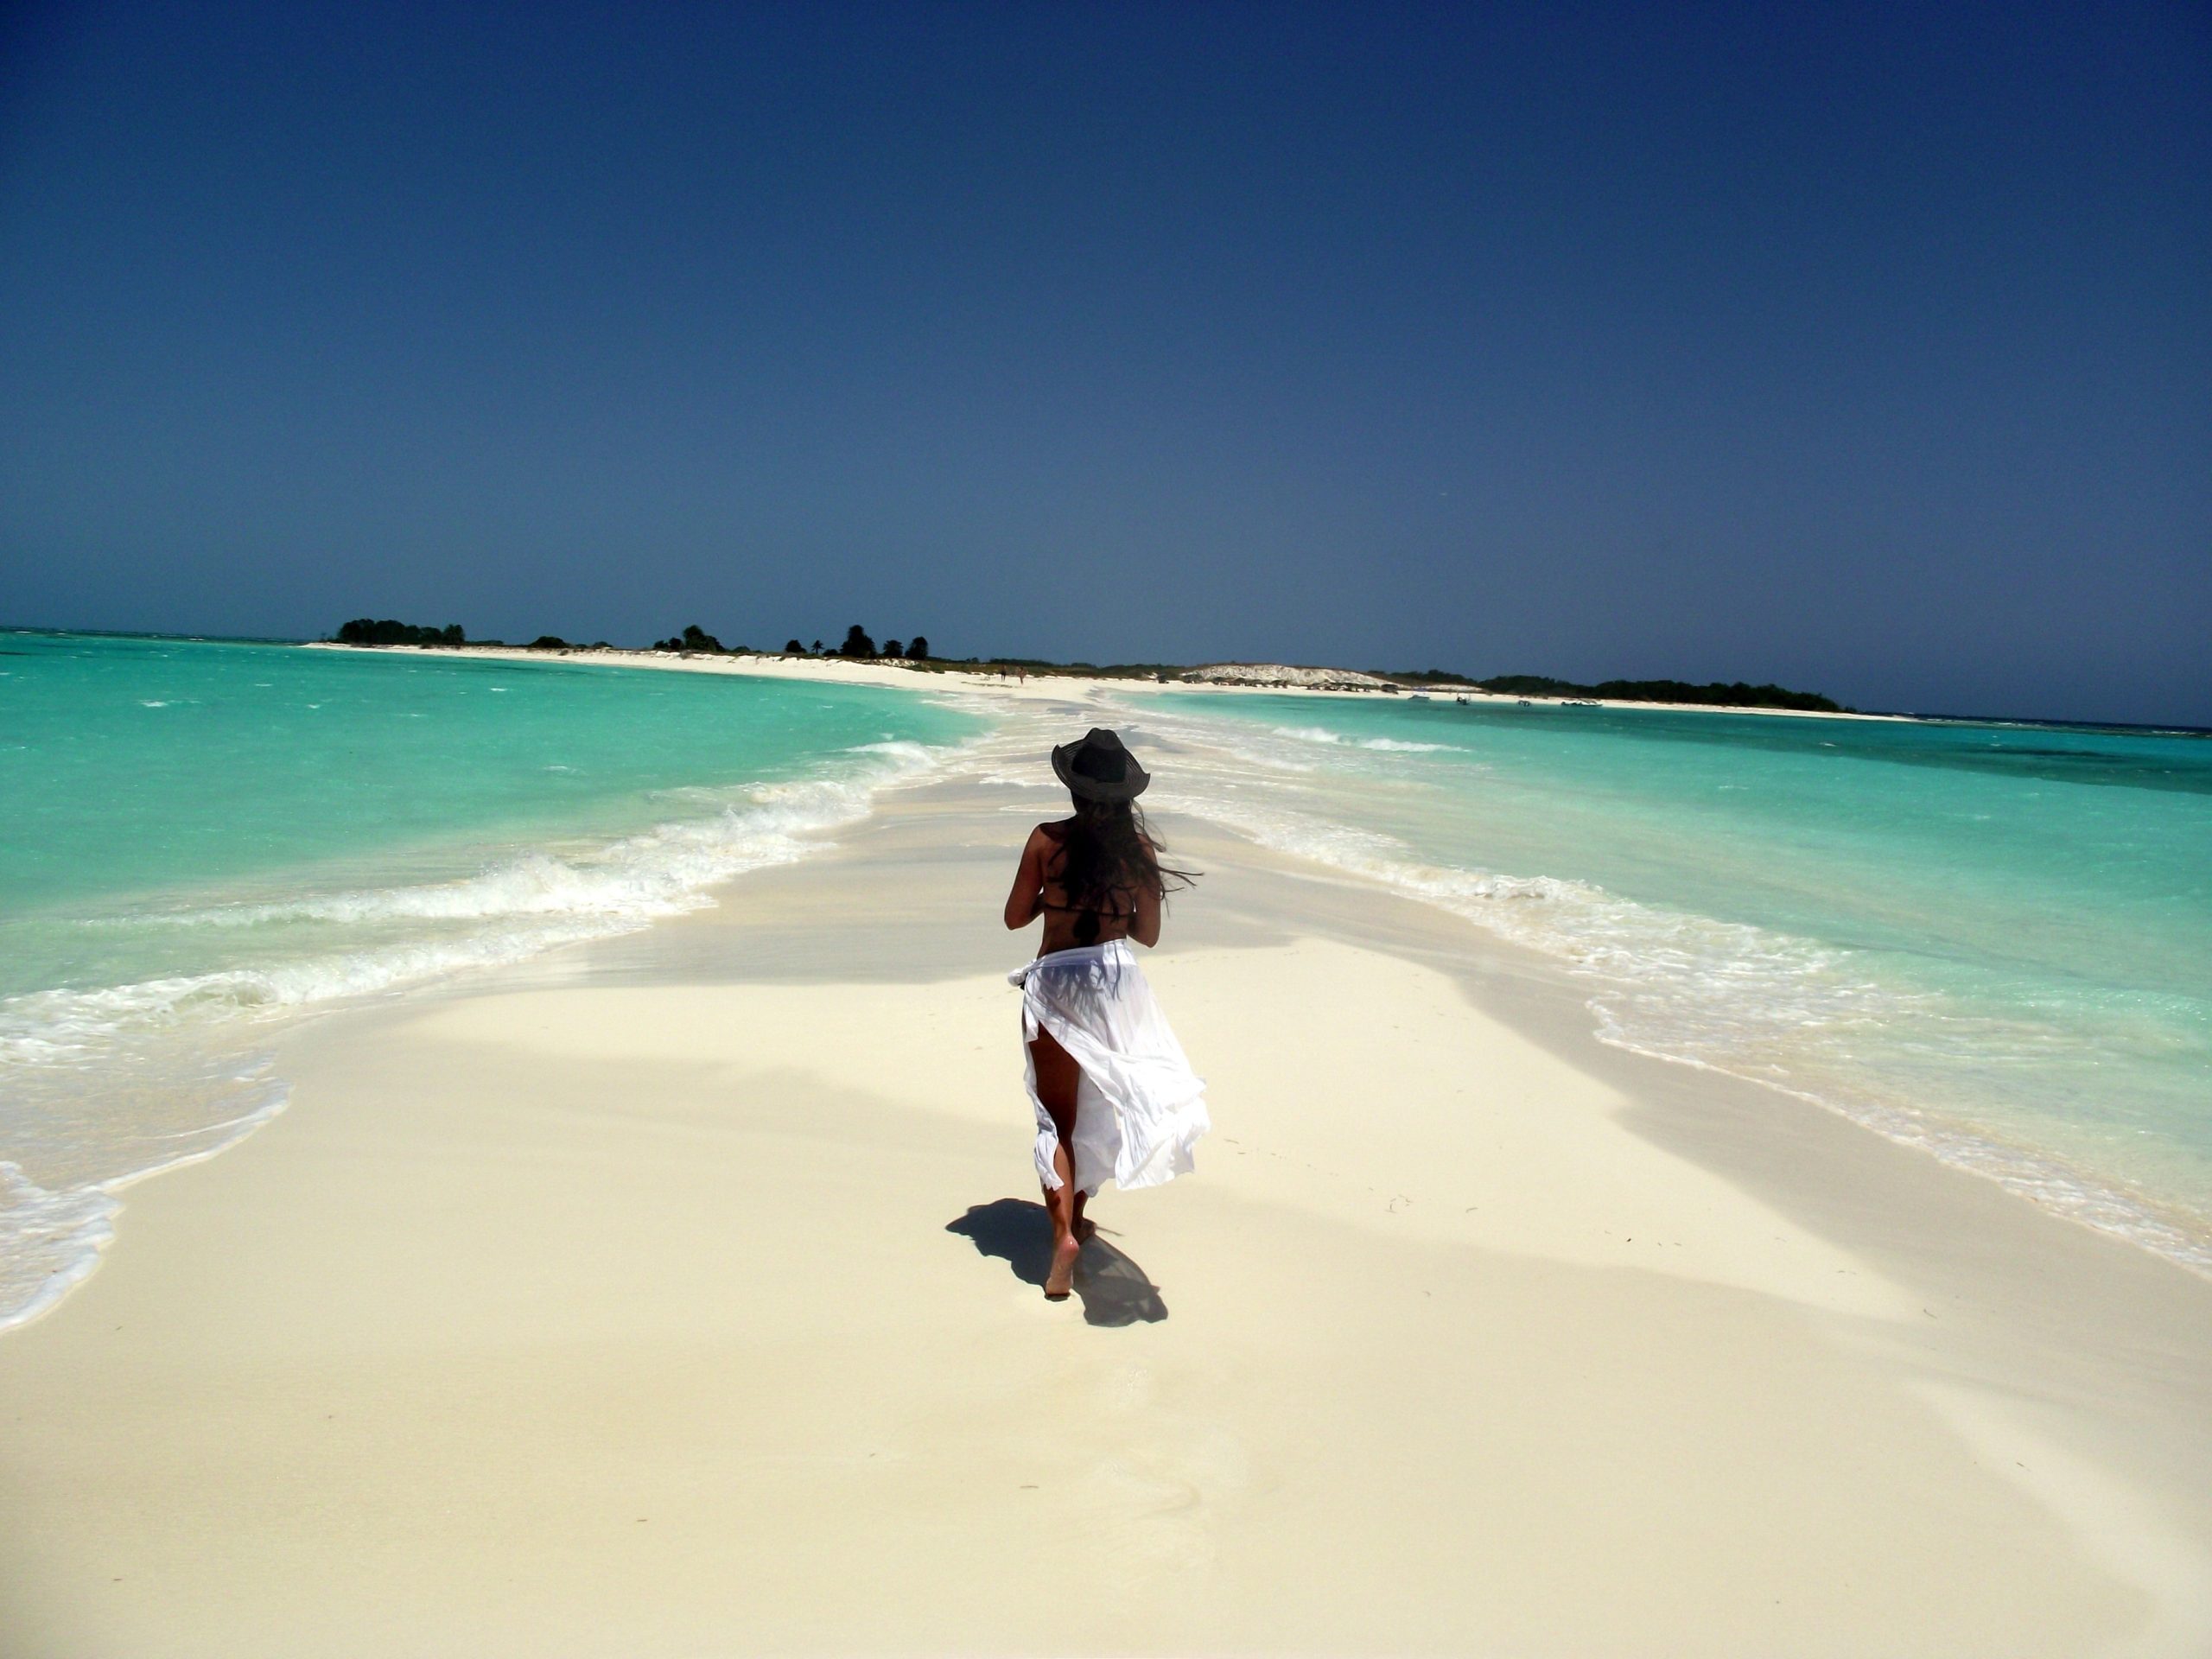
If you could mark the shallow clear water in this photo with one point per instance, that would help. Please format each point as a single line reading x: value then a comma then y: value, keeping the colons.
x: 199, y: 837
x: 1993, y: 940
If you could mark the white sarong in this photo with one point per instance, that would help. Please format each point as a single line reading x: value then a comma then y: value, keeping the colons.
x: 1140, y: 1109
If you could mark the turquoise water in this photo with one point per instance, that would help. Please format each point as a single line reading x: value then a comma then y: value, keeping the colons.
x: 202, y: 838
x: 1993, y: 940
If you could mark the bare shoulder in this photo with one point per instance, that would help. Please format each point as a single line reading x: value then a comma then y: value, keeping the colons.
x: 1054, y: 832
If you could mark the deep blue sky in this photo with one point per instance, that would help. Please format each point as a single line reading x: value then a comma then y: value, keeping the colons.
x: 1865, y: 349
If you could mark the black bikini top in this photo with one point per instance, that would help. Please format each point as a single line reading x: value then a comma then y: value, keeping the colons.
x: 1086, y: 928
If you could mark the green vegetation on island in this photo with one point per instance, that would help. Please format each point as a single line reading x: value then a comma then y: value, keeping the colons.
x: 1737, y: 695
x: 365, y: 630
x: 695, y: 638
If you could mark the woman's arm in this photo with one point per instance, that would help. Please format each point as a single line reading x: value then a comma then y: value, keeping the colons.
x: 1025, y: 903
x: 1144, y: 927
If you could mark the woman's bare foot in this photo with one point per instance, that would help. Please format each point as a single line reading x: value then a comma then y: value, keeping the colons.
x: 1086, y: 1230
x: 1061, y: 1279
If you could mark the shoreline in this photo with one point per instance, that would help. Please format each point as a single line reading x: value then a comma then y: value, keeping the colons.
x: 582, y: 1262
x: 1069, y: 687
x: 2083, y: 1196
x: 2140, y: 1221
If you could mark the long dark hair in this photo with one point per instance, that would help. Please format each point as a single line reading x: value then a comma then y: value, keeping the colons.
x: 1108, y: 852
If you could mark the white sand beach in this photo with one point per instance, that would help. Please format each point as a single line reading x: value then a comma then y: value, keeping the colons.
x: 523, y: 1148
x: 678, y: 1295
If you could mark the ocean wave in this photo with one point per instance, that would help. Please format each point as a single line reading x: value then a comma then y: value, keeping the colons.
x: 59, y: 1029
x: 1388, y: 744
x: 50, y: 1241
x: 547, y: 898
x: 1769, y: 1008
x: 1688, y: 958
x: 66, y: 1055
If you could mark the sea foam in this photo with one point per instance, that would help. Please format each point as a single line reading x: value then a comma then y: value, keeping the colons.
x: 1383, y: 745
x: 1753, y: 1003
x: 109, y: 1084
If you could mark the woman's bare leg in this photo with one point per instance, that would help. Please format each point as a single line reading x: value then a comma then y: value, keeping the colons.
x: 1057, y: 1077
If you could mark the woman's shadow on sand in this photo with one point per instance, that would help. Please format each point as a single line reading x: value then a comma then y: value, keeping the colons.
x: 1112, y: 1289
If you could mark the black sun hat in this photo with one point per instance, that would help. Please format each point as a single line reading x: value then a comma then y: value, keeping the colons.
x: 1099, y: 768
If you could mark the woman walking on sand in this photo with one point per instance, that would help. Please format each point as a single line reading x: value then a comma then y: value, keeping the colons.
x: 1114, y: 1097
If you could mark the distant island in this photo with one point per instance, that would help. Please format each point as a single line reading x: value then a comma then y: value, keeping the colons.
x: 1736, y: 695
x: 859, y: 645
x: 365, y: 631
